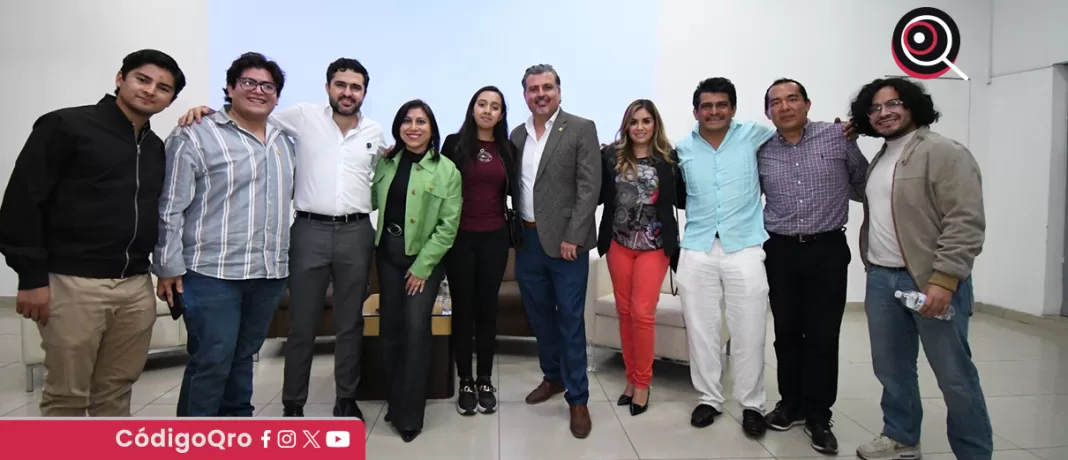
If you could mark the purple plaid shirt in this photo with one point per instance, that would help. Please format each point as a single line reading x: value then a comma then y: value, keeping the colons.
x: 808, y: 185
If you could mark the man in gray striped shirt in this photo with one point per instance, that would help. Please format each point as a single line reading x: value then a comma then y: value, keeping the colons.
x: 223, y: 247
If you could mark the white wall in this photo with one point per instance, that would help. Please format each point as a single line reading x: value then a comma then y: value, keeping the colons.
x: 59, y: 53
x: 65, y: 52
x: 832, y: 46
x: 1030, y: 34
x: 1026, y: 169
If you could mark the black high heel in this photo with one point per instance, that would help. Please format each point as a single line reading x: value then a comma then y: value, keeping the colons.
x: 624, y: 400
x: 638, y: 410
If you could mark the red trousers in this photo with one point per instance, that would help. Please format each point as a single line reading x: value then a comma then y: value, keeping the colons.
x: 636, y: 280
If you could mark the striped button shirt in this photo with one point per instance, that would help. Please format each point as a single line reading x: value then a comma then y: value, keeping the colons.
x: 808, y: 185
x: 226, y: 205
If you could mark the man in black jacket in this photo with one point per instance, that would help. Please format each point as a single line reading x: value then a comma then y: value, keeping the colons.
x: 78, y: 222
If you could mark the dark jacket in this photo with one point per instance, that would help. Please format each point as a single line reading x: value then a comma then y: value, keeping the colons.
x: 672, y: 195
x: 83, y: 199
x: 512, y: 174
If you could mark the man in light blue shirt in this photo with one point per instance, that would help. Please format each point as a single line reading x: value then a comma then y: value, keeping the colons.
x: 722, y: 255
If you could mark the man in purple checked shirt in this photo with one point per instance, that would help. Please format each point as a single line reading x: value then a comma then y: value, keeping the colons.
x: 808, y: 171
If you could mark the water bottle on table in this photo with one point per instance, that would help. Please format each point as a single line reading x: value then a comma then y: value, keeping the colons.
x: 445, y: 298
x: 914, y: 301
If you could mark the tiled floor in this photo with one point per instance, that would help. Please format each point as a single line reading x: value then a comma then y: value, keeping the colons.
x: 1024, y: 372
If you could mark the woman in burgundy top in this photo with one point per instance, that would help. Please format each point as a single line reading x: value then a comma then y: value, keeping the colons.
x: 475, y: 265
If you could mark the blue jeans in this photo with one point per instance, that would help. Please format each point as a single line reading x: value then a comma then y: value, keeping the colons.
x: 896, y: 333
x: 227, y: 322
x: 554, y: 297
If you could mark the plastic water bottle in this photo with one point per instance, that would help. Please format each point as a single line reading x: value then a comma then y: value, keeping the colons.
x: 444, y: 298
x: 914, y: 301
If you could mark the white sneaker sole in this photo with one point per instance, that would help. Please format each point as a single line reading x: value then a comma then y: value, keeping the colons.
x: 903, y: 455
x: 787, y: 427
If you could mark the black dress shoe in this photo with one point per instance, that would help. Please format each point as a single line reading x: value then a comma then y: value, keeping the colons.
x: 624, y: 400
x: 346, y: 407
x: 292, y: 411
x: 703, y: 415
x: 753, y: 423
x: 408, y: 435
x: 823, y: 440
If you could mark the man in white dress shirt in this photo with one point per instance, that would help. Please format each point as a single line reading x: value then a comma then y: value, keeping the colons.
x: 332, y: 238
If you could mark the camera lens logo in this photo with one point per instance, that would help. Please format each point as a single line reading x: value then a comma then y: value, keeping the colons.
x: 287, y: 439
x: 926, y: 43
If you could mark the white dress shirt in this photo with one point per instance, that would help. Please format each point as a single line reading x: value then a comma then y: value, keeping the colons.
x: 333, y: 169
x: 532, y: 152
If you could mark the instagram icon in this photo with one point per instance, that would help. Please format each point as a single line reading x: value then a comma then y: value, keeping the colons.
x: 287, y: 439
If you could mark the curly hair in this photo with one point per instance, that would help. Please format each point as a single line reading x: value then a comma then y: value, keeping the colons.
x: 912, y: 95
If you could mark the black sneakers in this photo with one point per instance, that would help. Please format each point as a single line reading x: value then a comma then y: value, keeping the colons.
x: 784, y: 417
x: 487, y: 402
x: 823, y: 440
x: 476, y: 396
x: 468, y: 398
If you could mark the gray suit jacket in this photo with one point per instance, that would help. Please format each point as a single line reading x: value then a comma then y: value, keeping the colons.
x: 567, y: 184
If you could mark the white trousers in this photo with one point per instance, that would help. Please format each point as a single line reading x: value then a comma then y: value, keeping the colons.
x: 705, y: 280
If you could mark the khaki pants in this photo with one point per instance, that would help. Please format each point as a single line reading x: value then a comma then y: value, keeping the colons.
x: 96, y: 344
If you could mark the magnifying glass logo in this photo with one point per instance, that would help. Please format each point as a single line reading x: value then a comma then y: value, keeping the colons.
x: 926, y: 43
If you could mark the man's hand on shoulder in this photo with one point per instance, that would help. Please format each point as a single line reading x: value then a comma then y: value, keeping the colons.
x: 847, y: 129
x: 195, y: 114
x: 34, y: 303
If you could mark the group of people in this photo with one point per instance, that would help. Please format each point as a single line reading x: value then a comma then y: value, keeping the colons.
x: 95, y: 193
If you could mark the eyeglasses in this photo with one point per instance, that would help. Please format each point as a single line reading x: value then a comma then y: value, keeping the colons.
x: 249, y: 84
x: 892, y: 105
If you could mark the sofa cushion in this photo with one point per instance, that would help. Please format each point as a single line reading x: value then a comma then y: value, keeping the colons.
x: 162, y: 309
x: 668, y: 310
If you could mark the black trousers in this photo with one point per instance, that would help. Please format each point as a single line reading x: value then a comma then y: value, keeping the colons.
x: 807, y: 283
x: 475, y: 267
x: 405, y: 332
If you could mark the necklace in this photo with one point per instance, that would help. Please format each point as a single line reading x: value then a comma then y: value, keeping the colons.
x: 484, y: 156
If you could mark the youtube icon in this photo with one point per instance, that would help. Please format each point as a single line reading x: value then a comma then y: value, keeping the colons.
x: 338, y: 439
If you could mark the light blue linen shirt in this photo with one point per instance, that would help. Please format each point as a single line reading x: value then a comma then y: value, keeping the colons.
x: 723, y: 188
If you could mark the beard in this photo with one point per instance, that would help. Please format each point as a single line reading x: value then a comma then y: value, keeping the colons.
x: 336, y: 105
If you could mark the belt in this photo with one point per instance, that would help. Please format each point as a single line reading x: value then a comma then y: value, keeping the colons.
x: 528, y: 224
x: 324, y: 218
x: 808, y: 238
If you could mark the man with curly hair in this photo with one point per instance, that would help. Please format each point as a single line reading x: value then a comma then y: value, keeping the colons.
x: 924, y: 225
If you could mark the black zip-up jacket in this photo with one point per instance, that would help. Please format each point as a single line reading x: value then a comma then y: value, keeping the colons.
x: 83, y: 199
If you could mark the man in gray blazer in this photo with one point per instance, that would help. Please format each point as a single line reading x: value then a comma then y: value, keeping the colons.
x: 560, y: 179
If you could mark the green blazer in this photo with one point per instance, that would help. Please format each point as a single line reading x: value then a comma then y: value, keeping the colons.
x: 432, y: 211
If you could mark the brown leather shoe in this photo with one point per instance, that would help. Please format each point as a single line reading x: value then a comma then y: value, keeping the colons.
x: 580, y: 421
x: 544, y: 391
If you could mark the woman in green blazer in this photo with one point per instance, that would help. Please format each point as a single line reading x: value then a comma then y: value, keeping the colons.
x: 417, y: 193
